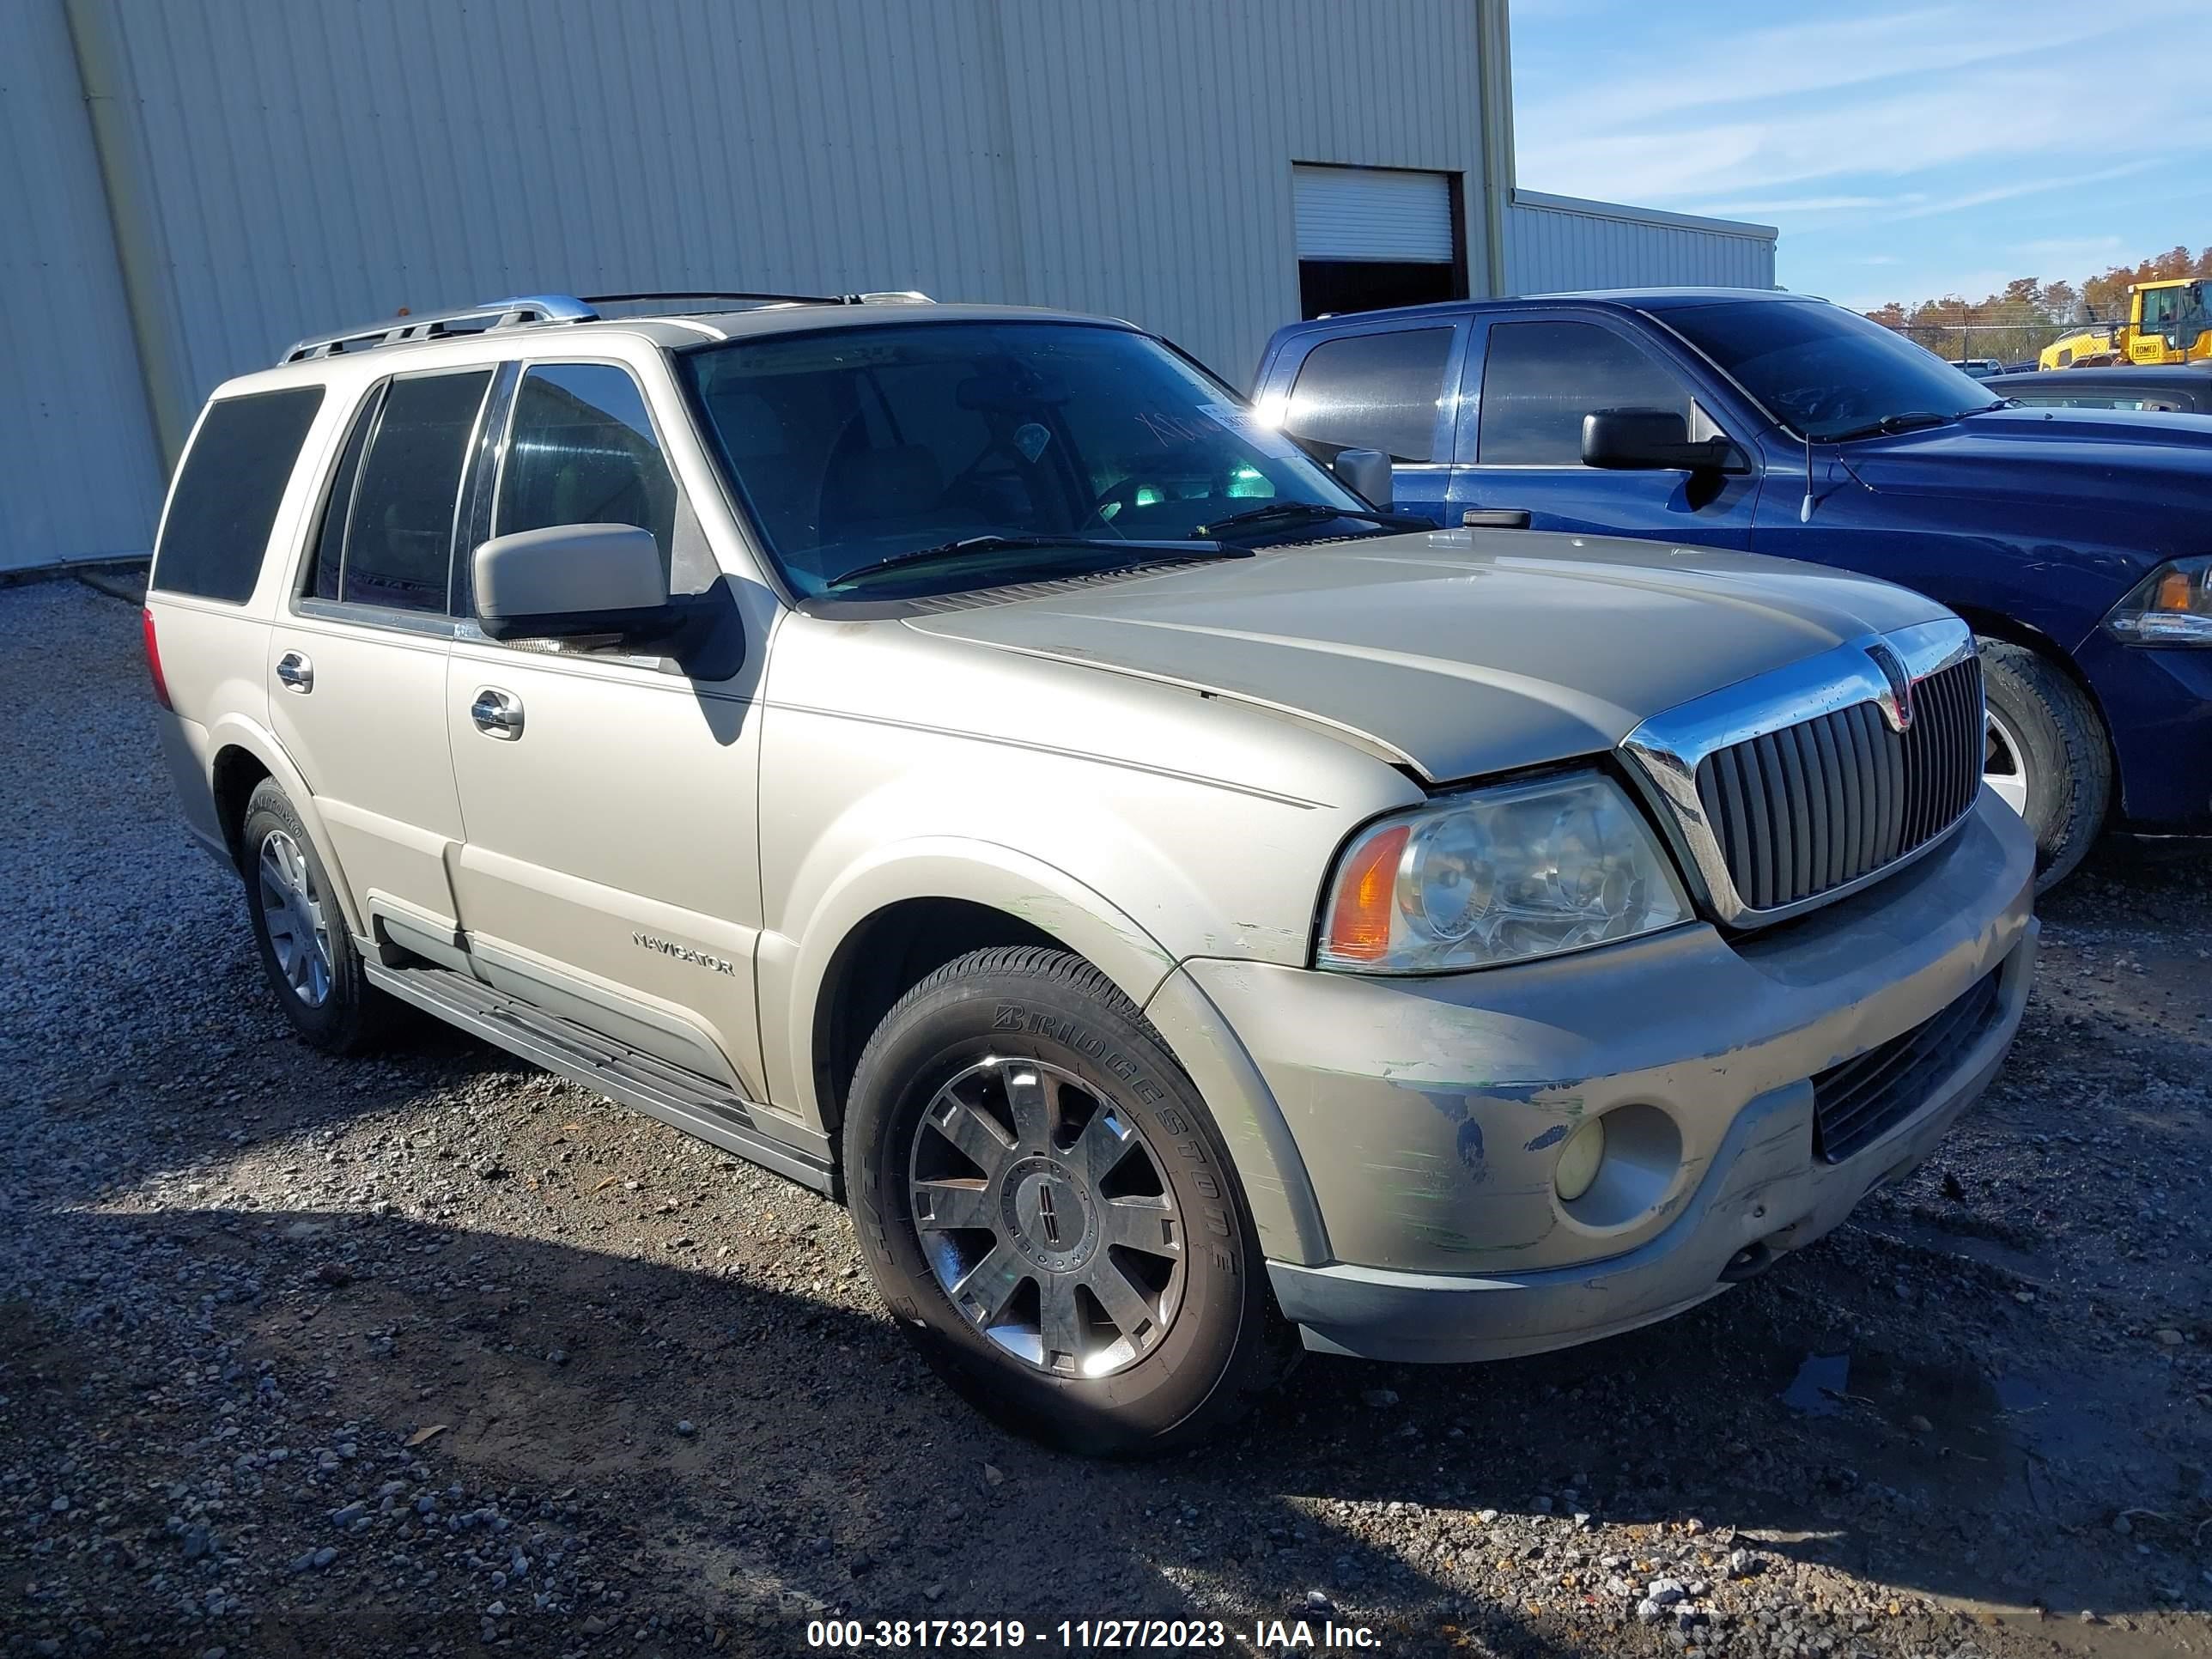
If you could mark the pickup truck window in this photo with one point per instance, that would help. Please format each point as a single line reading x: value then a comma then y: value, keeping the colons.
x: 1373, y: 391
x: 851, y: 445
x: 1823, y: 371
x: 1541, y: 379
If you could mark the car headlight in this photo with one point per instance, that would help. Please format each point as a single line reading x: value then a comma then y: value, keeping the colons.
x: 2172, y: 606
x: 1498, y: 875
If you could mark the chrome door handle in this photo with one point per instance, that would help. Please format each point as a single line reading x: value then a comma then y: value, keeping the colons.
x: 497, y: 714
x: 295, y: 673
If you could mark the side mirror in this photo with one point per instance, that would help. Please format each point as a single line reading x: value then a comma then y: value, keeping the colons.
x: 1366, y: 472
x: 1652, y: 440
x: 572, y: 580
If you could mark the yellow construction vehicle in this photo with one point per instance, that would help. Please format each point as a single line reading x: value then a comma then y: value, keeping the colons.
x: 2168, y: 322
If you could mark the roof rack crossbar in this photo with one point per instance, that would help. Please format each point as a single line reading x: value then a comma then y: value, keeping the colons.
x: 518, y: 312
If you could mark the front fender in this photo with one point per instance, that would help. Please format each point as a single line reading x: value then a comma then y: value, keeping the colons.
x: 794, y: 971
x: 793, y: 977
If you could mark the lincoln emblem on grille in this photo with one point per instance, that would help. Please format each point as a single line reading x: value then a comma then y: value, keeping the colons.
x: 1899, y: 707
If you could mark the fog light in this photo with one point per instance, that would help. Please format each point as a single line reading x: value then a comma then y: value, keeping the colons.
x: 1579, y: 1159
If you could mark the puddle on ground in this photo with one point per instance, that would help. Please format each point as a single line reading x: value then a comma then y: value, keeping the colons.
x: 1956, y: 1424
x: 1819, y: 1387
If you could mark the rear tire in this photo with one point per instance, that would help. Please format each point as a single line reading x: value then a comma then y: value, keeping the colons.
x: 2047, y: 753
x: 1048, y: 1209
x: 308, y: 954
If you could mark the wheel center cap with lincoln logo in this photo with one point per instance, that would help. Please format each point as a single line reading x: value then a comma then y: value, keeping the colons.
x: 1048, y: 1215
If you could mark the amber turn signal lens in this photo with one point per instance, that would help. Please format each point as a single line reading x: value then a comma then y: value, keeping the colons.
x: 1359, y: 928
x: 2172, y: 592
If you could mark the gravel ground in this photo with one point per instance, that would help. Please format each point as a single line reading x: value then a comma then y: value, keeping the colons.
x: 430, y: 1351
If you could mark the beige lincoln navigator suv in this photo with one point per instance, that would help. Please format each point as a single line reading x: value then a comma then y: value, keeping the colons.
x: 962, y: 759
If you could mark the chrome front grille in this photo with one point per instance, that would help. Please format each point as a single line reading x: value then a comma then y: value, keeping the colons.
x: 1790, y: 790
x: 1813, y: 806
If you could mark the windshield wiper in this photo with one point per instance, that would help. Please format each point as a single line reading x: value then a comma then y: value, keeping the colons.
x: 1911, y: 421
x: 1139, y: 551
x: 1310, y: 512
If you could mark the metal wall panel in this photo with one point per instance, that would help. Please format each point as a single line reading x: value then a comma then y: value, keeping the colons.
x: 316, y: 163
x: 312, y: 164
x: 1554, y: 243
x: 82, y: 476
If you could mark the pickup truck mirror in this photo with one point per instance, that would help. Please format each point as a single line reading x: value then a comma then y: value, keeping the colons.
x: 1367, y: 472
x: 1653, y: 440
x: 572, y: 582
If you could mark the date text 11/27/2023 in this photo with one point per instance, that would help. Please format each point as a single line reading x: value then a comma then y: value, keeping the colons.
x: 1127, y: 1635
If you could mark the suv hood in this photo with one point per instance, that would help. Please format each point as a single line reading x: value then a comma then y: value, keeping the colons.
x: 1459, y: 652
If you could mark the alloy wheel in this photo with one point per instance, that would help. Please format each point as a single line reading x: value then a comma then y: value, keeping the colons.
x: 292, y: 910
x: 2004, y: 764
x: 1046, y: 1219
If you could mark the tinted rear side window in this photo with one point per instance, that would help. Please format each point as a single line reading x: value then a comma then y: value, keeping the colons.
x: 1373, y: 392
x: 399, y: 537
x: 1542, y: 377
x: 327, y: 558
x: 227, y: 496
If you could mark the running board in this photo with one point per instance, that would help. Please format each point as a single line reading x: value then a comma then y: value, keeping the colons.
x: 683, y: 1100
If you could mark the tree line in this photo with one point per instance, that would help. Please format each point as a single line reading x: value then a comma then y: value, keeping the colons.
x: 2029, y: 313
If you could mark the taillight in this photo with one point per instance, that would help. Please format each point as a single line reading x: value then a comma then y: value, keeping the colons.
x: 154, y: 661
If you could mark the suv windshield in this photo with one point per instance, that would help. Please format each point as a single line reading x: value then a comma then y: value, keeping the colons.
x: 1825, y: 372
x: 1070, y: 445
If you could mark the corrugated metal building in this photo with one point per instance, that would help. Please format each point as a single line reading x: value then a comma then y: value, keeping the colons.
x: 188, y: 187
x: 1555, y: 242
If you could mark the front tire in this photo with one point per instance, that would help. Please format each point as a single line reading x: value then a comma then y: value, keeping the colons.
x: 2046, y: 755
x: 308, y: 956
x: 1046, y: 1206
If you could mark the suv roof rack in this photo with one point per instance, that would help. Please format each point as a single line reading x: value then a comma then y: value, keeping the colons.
x: 903, y: 296
x: 537, y: 310
x: 526, y: 309
x: 743, y: 296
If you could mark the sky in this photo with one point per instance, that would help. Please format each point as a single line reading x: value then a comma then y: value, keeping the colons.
x: 1905, y: 149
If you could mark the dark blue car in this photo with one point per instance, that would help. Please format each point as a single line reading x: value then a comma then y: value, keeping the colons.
x: 2075, y: 541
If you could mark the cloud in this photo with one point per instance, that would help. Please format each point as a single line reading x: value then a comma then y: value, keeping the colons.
x: 1805, y: 108
x: 1791, y: 59
x: 2033, y: 187
x: 1800, y: 205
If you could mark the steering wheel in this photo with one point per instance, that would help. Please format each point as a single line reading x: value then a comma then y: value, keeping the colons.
x: 1121, y: 493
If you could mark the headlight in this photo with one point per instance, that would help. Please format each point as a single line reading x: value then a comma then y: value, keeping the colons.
x: 2172, y: 606
x: 1498, y: 875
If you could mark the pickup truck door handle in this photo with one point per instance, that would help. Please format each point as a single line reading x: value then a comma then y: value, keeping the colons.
x: 1495, y: 518
x: 497, y: 714
x: 295, y: 673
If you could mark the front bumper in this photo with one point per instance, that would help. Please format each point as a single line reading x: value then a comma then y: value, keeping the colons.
x: 1428, y: 1113
x: 2157, y: 703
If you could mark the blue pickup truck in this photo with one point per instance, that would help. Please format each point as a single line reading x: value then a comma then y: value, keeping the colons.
x: 2075, y: 541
